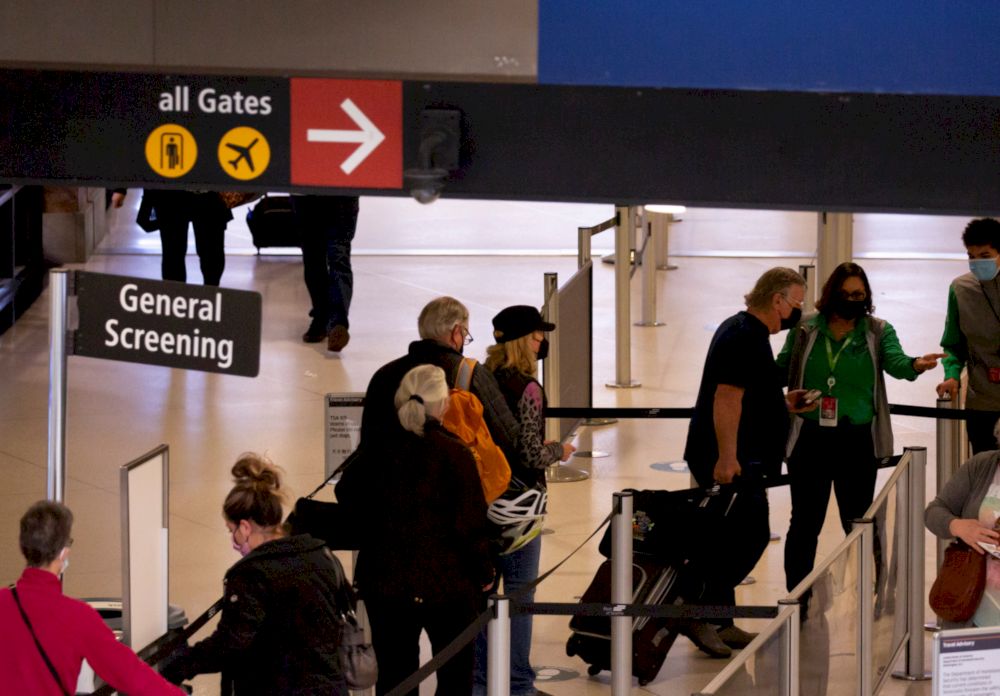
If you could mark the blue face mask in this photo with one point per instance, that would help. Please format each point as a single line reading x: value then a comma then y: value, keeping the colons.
x: 984, y: 269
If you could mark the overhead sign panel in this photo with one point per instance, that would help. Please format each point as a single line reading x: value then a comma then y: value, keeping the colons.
x: 347, y: 133
x: 191, y: 327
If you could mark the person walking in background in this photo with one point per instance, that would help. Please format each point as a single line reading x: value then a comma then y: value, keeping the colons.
x: 280, y: 626
x: 519, y: 332
x: 844, y: 352
x: 327, y: 225
x: 46, y: 635
x: 173, y: 210
x: 424, y: 560
x: 739, y: 429
x: 972, y: 332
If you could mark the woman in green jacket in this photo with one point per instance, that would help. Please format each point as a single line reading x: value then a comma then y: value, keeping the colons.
x: 844, y: 352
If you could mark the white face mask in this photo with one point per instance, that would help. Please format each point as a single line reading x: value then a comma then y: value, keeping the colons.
x: 64, y: 557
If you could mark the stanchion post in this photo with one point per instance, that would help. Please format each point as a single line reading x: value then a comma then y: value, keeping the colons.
x: 790, y: 651
x: 56, y: 465
x: 947, y: 447
x: 648, y: 305
x: 621, y: 593
x: 915, y: 567
x: 498, y: 650
x: 623, y: 274
x: 866, y: 605
x: 550, y: 366
x: 583, y: 246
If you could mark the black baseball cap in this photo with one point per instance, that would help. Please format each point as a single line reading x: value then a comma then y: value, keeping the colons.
x: 517, y: 321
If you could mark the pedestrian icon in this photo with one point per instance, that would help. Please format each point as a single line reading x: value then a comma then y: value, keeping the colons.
x: 244, y: 153
x: 171, y: 150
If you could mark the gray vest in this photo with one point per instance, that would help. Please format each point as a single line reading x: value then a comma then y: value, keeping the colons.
x: 881, y: 424
x: 981, y: 329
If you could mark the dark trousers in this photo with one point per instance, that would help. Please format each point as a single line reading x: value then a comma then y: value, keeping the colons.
x: 841, y: 457
x: 327, y: 225
x: 980, y: 430
x: 209, y: 241
x: 396, y: 626
x: 711, y: 579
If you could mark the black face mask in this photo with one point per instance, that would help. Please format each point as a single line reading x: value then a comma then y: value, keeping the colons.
x: 543, y: 349
x: 792, y: 320
x: 848, y: 309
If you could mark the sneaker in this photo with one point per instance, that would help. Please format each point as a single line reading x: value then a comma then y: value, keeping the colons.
x: 337, y: 338
x: 316, y: 332
x: 735, y: 637
x: 708, y: 641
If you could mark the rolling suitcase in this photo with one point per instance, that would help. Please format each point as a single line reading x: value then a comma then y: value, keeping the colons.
x: 272, y: 223
x: 660, y: 553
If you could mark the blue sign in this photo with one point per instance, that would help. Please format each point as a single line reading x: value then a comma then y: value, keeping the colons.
x: 946, y: 47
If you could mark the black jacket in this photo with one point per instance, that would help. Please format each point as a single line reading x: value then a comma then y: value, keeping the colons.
x: 423, y: 513
x: 278, y: 633
x: 380, y: 424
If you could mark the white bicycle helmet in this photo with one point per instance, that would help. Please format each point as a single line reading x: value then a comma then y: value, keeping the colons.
x: 519, y: 515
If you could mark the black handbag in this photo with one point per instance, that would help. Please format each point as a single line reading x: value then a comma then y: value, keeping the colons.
x: 273, y: 223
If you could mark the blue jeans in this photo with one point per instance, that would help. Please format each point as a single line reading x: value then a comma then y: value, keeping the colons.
x: 517, y: 570
x: 327, y: 225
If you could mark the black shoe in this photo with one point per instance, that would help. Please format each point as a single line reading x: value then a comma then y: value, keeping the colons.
x: 735, y: 637
x: 337, y: 338
x: 316, y: 332
x: 705, y: 637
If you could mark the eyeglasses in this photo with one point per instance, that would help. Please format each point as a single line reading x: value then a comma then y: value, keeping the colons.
x: 796, y: 304
x: 857, y: 295
x: 466, y: 336
x: 69, y: 543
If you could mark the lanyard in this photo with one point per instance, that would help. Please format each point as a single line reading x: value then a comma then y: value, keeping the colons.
x: 832, y: 359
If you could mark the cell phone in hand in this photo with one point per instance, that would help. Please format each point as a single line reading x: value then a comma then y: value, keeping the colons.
x: 811, y: 396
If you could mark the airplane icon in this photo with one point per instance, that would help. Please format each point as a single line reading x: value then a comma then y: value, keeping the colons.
x: 244, y: 154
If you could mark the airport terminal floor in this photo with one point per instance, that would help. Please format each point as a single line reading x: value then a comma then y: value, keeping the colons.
x: 117, y: 411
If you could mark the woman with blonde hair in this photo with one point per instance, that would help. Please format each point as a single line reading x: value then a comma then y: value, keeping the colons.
x: 280, y: 625
x: 520, y: 343
x: 424, y: 561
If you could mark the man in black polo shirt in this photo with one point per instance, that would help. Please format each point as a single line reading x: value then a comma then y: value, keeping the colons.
x: 739, y: 429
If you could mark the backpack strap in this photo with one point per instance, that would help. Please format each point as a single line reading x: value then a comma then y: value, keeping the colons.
x: 463, y: 380
x: 48, y: 662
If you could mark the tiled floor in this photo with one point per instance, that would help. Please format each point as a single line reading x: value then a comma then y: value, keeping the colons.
x: 117, y: 411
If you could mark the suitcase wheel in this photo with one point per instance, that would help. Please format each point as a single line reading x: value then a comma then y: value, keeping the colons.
x: 593, y: 670
x: 643, y: 682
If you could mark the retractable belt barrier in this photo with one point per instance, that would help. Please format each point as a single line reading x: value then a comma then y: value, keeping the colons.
x: 896, y: 409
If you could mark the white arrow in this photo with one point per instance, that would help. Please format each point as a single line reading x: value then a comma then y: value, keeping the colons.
x: 369, y: 136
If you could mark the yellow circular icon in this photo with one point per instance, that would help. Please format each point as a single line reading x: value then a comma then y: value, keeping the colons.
x: 171, y: 150
x: 244, y: 153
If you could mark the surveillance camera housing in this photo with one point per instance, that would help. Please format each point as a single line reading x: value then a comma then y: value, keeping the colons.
x: 425, y: 185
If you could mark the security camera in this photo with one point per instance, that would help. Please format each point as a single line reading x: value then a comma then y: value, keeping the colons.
x: 425, y: 185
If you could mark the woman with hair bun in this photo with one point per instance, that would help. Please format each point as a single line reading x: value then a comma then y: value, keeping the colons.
x: 424, y: 560
x: 279, y: 630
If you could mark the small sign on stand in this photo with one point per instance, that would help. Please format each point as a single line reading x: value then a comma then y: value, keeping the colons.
x: 343, y: 427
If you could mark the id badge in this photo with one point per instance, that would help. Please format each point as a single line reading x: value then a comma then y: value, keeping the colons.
x: 828, y: 412
x: 994, y: 375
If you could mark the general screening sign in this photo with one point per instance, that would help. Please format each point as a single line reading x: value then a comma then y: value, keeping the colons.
x: 191, y: 327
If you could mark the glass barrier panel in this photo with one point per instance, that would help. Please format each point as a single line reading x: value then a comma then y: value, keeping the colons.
x: 889, y: 542
x: 829, y: 633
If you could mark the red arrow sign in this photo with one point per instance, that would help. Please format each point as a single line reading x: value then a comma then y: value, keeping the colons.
x: 347, y: 133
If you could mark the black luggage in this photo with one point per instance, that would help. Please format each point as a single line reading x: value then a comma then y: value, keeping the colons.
x: 652, y: 637
x: 670, y: 529
x: 272, y: 223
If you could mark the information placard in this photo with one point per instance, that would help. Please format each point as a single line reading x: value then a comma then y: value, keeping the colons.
x: 967, y: 662
x: 343, y: 427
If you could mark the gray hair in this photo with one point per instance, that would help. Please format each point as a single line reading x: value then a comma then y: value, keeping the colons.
x: 776, y: 280
x: 422, y: 393
x: 439, y: 317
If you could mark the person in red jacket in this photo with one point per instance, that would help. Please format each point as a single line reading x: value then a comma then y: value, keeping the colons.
x: 36, y: 616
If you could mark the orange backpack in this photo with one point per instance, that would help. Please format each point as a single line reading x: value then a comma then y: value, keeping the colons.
x: 464, y: 418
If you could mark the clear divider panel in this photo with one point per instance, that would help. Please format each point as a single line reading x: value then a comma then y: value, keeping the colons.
x: 889, y: 542
x: 829, y: 633
x: 760, y: 671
